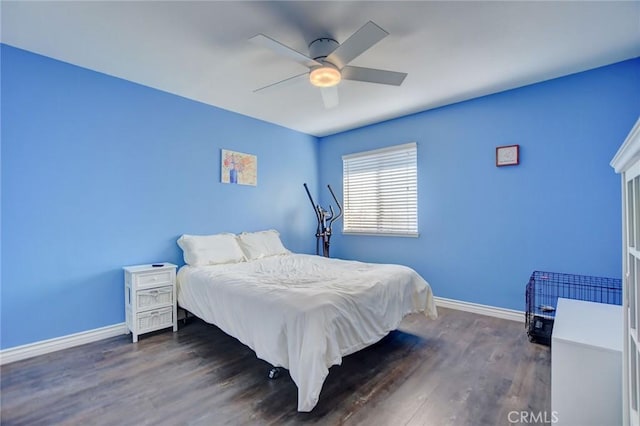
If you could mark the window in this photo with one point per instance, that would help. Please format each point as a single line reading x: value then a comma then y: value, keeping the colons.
x: 381, y: 191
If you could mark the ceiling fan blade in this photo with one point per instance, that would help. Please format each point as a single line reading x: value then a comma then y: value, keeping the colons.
x: 330, y: 96
x: 281, y: 49
x: 368, y: 35
x: 372, y: 75
x: 284, y: 82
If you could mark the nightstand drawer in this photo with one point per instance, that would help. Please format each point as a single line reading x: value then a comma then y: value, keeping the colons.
x: 154, y: 319
x: 160, y: 296
x: 154, y: 279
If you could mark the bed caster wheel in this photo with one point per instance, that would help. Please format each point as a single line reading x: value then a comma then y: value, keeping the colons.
x: 274, y: 373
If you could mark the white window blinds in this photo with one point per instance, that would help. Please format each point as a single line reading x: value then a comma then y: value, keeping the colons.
x: 381, y: 191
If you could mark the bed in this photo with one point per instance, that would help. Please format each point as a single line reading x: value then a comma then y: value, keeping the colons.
x: 297, y: 311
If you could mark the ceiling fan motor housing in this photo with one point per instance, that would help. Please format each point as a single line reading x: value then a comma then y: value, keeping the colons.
x: 320, y: 48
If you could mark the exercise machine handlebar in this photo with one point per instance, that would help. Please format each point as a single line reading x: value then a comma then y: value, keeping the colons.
x: 325, y: 221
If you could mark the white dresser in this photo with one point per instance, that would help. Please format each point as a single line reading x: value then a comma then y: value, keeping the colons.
x: 150, y: 298
x: 586, y: 364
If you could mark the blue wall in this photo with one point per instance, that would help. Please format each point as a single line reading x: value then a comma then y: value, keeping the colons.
x: 484, y: 229
x: 98, y: 173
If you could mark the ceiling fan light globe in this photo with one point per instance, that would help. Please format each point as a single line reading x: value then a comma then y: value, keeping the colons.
x: 325, y: 77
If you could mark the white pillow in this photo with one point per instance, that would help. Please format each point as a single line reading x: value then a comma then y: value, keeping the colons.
x: 257, y: 245
x: 200, y: 250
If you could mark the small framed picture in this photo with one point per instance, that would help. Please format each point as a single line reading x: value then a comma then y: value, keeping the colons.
x: 508, y: 155
x: 238, y: 167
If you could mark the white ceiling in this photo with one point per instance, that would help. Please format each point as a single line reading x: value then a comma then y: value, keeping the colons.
x: 452, y: 51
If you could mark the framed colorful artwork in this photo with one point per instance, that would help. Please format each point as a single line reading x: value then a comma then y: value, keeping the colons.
x: 238, y: 168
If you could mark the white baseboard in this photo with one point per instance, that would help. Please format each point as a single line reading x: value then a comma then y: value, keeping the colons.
x: 476, y: 308
x: 51, y: 345
x: 47, y: 346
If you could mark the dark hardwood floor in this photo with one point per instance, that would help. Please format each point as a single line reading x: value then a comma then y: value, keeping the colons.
x: 461, y: 369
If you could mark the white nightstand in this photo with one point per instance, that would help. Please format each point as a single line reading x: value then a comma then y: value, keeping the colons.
x: 150, y: 298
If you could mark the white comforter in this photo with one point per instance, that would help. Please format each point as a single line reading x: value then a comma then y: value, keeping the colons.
x: 304, y: 312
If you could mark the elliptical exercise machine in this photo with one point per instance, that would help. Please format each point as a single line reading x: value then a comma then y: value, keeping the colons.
x: 325, y: 220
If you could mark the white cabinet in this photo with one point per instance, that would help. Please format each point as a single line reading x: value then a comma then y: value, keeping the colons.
x: 627, y: 163
x: 586, y: 364
x: 150, y: 298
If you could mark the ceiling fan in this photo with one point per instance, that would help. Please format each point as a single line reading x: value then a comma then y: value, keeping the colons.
x: 328, y: 61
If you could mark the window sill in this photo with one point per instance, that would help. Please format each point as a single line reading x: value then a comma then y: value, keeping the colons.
x: 382, y: 234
